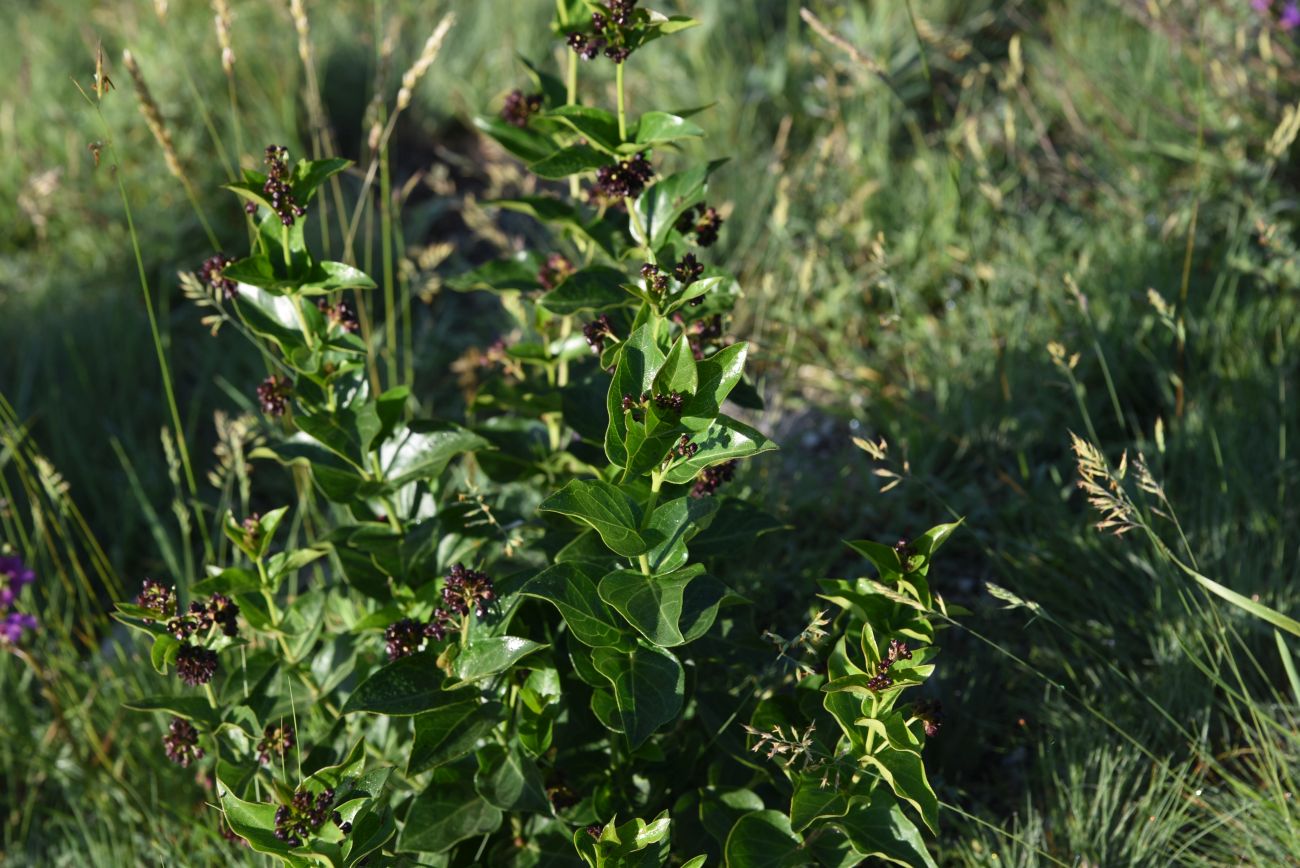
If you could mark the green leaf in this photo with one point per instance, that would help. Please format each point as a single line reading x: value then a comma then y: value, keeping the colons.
x: 255, y: 823
x: 639, y: 359
x: 904, y: 771
x: 163, y: 652
x: 718, y: 375
x: 724, y: 440
x: 488, y: 656
x: 597, y: 125
x: 346, y: 432
x: 406, y: 686
x: 661, y: 204
x: 423, y: 449
x: 310, y: 174
x: 448, y: 733
x: 527, y: 144
x: 649, y: 685
x: 812, y: 801
x: 736, y: 523
x: 511, y: 781
x: 595, y: 288
x: 880, y: 830
x: 678, y: 521
x: 762, y: 839
x: 664, y: 127
x: 571, y: 588
x: 195, y: 708
x: 232, y: 580
x: 447, y: 812
x: 334, y: 276
x: 573, y: 160
x: 613, y: 515
x: 669, y: 610
x: 678, y: 372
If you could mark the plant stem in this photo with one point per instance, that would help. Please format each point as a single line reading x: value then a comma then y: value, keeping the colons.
x: 390, y: 290
x: 302, y: 321
x: 571, y: 98
x: 622, y: 109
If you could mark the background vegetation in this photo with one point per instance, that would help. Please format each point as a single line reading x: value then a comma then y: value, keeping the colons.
x: 925, y: 197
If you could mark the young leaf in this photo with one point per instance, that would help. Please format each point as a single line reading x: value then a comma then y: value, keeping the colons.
x: 654, y: 127
x: 724, y: 440
x: 573, y: 160
x: 488, y: 656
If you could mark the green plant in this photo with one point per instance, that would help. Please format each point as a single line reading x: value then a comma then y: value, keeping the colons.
x: 591, y: 682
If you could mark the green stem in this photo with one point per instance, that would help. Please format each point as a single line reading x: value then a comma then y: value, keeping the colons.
x: 302, y: 322
x: 622, y: 109
x: 571, y: 98
x: 212, y: 697
x: 640, y: 230
x: 566, y: 329
x: 284, y: 241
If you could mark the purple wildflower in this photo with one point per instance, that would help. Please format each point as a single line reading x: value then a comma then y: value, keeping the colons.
x: 1290, y: 19
x: 14, y: 625
x: 1261, y: 5
x: 14, y: 574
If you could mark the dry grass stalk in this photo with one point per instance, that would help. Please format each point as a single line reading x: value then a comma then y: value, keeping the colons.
x: 222, y: 20
x: 153, y: 116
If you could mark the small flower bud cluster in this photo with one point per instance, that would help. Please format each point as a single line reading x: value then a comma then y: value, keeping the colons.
x: 711, y: 478
x: 181, y: 743
x: 688, y: 270
x: 705, y: 332
x: 277, y: 739
x: 596, y: 331
x: 463, y: 590
x: 157, y: 598
x: 704, y: 221
x: 930, y: 713
x: 14, y: 576
x: 881, y: 680
x: 655, y: 280
x: 303, y: 816
x: 273, y: 395
x: 905, y: 553
x: 555, y: 271
x: 670, y: 402
x: 278, y: 186
x: 196, y: 665
x: 626, y: 178
x: 219, y: 610
x: 520, y: 107
x: 210, y: 274
x: 610, y: 32
x: 685, y: 448
x: 342, y: 314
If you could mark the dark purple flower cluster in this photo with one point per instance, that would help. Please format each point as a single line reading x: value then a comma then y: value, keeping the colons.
x: 520, y: 107
x: 704, y: 221
x: 688, y: 270
x: 273, y: 395
x: 219, y: 610
x: 685, y: 448
x: 624, y: 179
x: 671, y: 402
x: 655, y: 280
x: 14, y: 576
x: 462, y: 591
x: 277, y: 739
x: 403, y: 638
x: 558, y: 791
x: 279, y: 185
x: 210, y: 273
x: 554, y: 271
x: 157, y: 598
x: 711, y: 478
x: 705, y: 332
x: 196, y: 665
x: 905, y: 554
x: 343, y: 314
x: 930, y: 713
x: 881, y: 680
x: 303, y: 816
x: 596, y: 331
x: 610, y: 32
x: 182, y: 742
